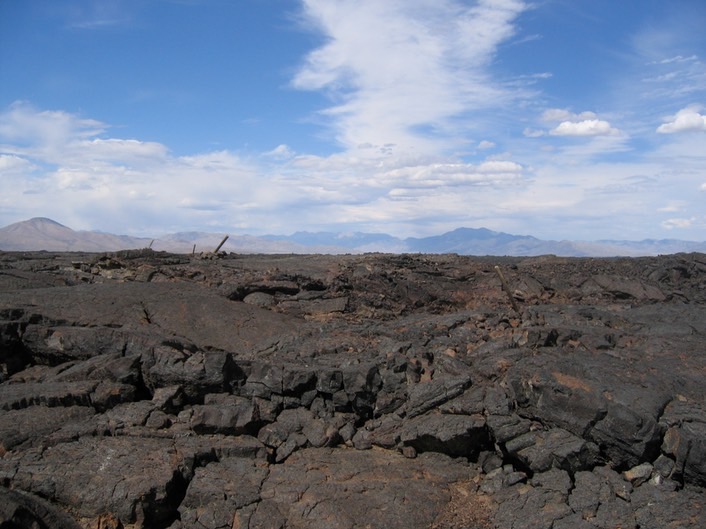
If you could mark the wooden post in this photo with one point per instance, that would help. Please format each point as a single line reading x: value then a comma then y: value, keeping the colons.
x: 222, y: 243
x: 193, y: 250
x: 506, y: 288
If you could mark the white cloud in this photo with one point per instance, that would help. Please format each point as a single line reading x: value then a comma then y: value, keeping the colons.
x: 88, y: 179
x: 678, y: 223
x: 572, y: 124
x: 485, y: 144
x: 130, y: 186
x: 533, y: 133
x: 436, y: 175
x: 673, y: 206
x: 121, y: 150
x: 588, y: 127
x: 51, y: 131
x: 687, y: 119
x: 94, y: 15
x: 10, y: 163
x: 417, y: 65
x: 562, y: 114
x: 105, y: 183
x: 212, y: 161
x: 281, y: 152
x: 677, y: 59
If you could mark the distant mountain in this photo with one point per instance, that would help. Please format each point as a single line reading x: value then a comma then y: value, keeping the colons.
x: 355, y: 241
x: 46, y: 234
x: 474, y: 241
x: 482, y: 241
x: 41, y: 233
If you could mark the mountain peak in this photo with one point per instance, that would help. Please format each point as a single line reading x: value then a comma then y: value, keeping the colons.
x: 43, y: 221
x: 42, y: 233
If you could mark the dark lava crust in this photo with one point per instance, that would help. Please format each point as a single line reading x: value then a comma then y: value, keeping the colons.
x: 145, y: 389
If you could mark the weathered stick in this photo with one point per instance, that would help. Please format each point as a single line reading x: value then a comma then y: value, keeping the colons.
x: 506, y: 288
x: 222, y: 243
x: 193, y: 250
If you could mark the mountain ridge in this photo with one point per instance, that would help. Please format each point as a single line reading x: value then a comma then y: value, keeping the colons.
x: 41, y: 233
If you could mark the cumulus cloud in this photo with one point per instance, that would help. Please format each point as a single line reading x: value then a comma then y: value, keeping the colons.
x: 418, y: 64
x: 572, y: 124
x: 66, y: 165
x: 88, y: 179
x: 688, y: 119
x: 588, y: 127
x: 703, y: 186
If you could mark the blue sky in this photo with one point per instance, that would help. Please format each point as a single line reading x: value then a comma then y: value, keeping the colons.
x: 563, y: 119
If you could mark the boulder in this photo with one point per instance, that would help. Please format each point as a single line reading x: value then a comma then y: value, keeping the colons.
x: 321, y: 488
x: 33, y: 423
x: 219, y: 491
x: 455, y: 435
x: 556, y: 448
x: 225, y: 414
x: 685, y: 439
x: 140, y: 480
x: 20, y: 509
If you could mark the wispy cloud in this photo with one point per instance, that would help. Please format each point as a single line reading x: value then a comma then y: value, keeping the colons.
x: 417, y: 65
x: 677, y: 59
x: 281, y: 152
x: 679, y: 223
x: 97, y: 14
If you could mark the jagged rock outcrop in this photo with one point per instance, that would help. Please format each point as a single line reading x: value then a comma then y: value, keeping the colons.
x: 154, y: 390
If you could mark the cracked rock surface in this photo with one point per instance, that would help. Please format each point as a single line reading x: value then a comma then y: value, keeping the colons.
x: 150, y: 390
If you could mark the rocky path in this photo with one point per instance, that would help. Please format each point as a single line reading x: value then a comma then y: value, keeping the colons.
x: 154, y: 390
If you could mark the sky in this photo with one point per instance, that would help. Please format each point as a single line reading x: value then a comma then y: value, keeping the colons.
x: 561, y: 119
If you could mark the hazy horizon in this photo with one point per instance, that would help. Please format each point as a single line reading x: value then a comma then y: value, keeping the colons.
x: 341, y: 235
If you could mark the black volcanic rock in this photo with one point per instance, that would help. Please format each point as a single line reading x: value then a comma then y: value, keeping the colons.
x: 146, y: 389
